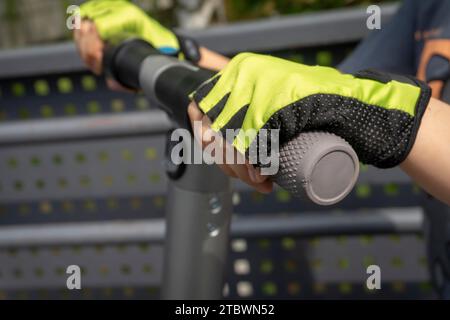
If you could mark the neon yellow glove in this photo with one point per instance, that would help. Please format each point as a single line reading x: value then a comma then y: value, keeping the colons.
x: 378, y: 114
x: 120, y: 17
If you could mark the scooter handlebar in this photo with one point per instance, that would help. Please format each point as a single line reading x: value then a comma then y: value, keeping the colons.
x: 319, y: 166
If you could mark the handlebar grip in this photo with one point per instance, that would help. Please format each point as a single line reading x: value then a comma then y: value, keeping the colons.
x: 318, y: 166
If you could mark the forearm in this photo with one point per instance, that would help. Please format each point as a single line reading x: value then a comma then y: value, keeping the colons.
x: 212, y: 60
x: 429, y: 160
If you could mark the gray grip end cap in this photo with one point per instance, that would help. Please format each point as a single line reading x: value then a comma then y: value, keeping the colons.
x: 320, y: 166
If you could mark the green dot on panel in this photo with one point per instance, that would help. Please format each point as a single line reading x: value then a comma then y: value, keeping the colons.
x: 283, y: 196
x: 67, y: 206
x: 397, y: 262
x: 266, y: 266
x: 107, y: 292
x: 264, y: 243
x: 87, y: 293
x: 117, y: 105
x: 39, y: 272
x: 151, y: 153
x: 60, y: 271
x: 127, y: 155
x: 324, y: 58
x: 40, y: 184
x: 88, y: 83
x: 108, y: 181
x: 128, y: 292
x: 85, y: 181
x: 345, y: 288
x: 368, y: 261
x: 41, y: 88
x: 47, y: 111
x: 154, y: 177
x: 18, y: 89
x: 391, y: 189
x: 65, y: 85
x: 57, y: 159
x: 142, y: 103
x: 395, y: 238
x: 290, y: 265
x: 343, y: 263
x: 423, y: 262
x: 146, y: 268
x: 398, y: 286
x: 363, y: 191
x: 24, y: 209
x: 269, y: 288
x: 43, y: 293
x: 144, y: 247
x: 13, y: 163
x: 257, y: 197
x: 112, y: 203
x: 70, y: 109
x: 293, y: 288
x: 135, y: 203
x: 131, y: 178
x: 314, y: 242
x: 125, y: 269
x: 366, y: 239
x: 18, y: 185
x: 90, y: 205
x: 24, y: 113
x: 80, y: 158
x: 103, y: 156
x: 316, y: 263
x: 104, y: 270
x: 12, y: 252
x: 34, y: 251
x: 158, y: 201
x: 341, y: 240
x: 93, y: 107
x: 121, y: 247
x: 426, y: 287
x: 23, y: 295
x: 288, y: 243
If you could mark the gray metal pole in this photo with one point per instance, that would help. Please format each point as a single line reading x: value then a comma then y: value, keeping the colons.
x: 198, y: 226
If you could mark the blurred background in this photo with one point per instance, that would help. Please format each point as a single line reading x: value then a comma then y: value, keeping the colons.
x: 28, y: 22
x: 74, y: 193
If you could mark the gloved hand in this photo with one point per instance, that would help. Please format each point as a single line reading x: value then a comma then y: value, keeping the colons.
x: 120, y: 17
x: 378, y: 114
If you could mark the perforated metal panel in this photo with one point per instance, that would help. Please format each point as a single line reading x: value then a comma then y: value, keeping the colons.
x: 288, y: 267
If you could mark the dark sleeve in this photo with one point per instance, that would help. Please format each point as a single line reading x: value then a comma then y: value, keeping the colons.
x: 390, y: 49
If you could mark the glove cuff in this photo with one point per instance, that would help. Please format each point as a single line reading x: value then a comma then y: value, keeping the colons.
x: 190, y: 48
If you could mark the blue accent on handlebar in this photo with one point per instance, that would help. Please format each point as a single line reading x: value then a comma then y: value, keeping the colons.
x: 170, y: 51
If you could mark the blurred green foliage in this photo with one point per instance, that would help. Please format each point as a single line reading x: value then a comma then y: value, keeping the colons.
x: 252, y: 9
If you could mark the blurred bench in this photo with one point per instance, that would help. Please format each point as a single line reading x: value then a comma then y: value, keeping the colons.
x: 82, y: 182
